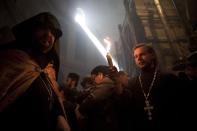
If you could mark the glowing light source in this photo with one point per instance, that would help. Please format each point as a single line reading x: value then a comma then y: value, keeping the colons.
x: 80, y: 19
x: 107, y: 41
x: 108, y: 55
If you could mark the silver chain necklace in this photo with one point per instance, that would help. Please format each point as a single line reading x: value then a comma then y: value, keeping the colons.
x: 148, y: 107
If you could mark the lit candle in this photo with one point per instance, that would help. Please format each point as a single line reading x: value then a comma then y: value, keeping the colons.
x: 109, y: 57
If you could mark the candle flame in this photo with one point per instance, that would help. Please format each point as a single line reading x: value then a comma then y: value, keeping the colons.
x: 107, y: 41
x: 94, y: 40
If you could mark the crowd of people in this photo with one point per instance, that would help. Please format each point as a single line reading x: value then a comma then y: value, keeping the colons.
x: 31, y: 98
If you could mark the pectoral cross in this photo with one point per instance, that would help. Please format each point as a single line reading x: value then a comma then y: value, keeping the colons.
x: 148, y: 108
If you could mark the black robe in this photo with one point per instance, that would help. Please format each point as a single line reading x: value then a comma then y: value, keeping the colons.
x: 36, y: 110
x: 27, y: 99
x: 163, y: 98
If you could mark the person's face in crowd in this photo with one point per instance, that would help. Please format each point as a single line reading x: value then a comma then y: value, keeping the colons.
x: 70, y: 83
x: 143, y: 58
x: 44, y: 38
x: 98, y: 78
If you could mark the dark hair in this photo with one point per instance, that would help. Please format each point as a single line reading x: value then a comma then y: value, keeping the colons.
x: 74, y: 77
x: 147, y: 47
x: 102, y: 69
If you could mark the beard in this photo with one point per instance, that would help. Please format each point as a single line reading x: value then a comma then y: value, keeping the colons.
x: 146, y: 66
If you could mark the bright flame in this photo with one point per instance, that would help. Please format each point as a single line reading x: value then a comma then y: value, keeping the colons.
x: 107, y: 41
x: 80, y: 19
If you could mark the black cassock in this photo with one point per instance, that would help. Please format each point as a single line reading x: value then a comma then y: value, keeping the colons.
x: 159, y: 110
x: 36, y: 110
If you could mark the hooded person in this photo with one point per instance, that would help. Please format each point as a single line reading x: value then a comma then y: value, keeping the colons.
x: 28, y: 100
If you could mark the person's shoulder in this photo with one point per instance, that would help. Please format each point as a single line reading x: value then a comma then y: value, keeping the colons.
x: 132, y: 83
x: 107, y: 81
x: 133, y: 80
x: 167, y: 74
x: 14, y: 55
x: 169, y: 79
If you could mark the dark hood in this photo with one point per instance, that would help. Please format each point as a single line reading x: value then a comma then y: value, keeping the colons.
x: 24, y: 29
x: 23, y: 35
